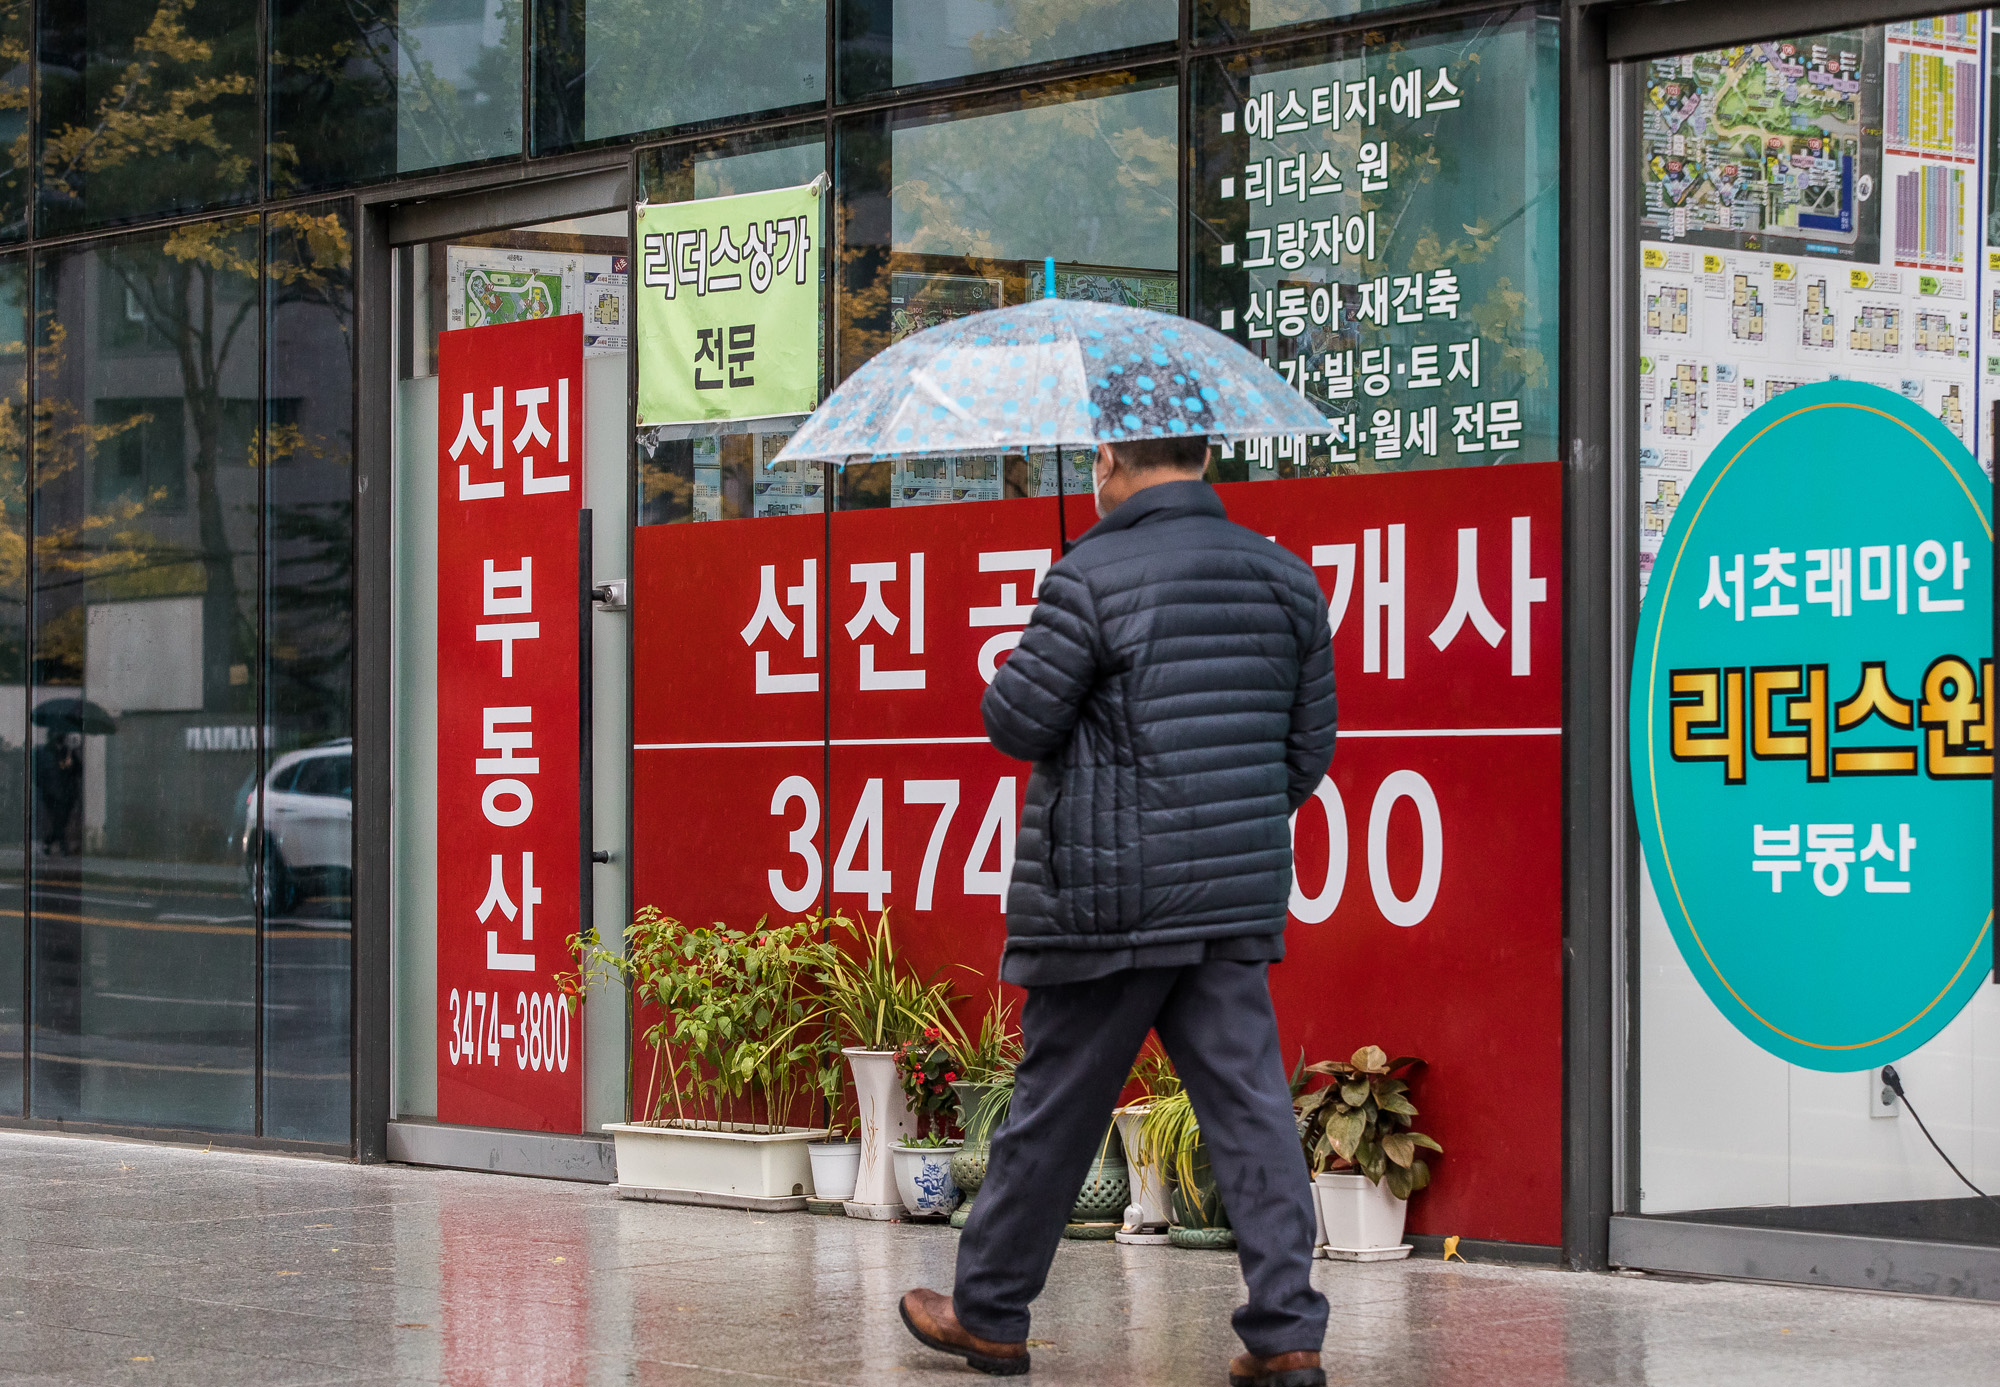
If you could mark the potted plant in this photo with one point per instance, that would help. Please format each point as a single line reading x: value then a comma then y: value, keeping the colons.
x: 1153, y: 1075
x: 985, y: 1087
x: 733, y: 1053
x: 836, y: 1158
x: 874, y: 1002
x: 923, y: 1175
x: 1107, y: 1188
x: 1363, y: 1152
x: 1170, y: 1144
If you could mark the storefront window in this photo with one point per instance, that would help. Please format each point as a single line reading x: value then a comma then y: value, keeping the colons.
x: 13, y: 660
x: 374, y: 88
x: 1241, y: 18
x: 146, y: 109
x: 952, y: 212
x: 903, y: 43
x: 721, y: 471
x: 623, y: 67
x: 308, y: 841
x: 1380, y: 222
x: 146, y: 683
x: 1807, y: 213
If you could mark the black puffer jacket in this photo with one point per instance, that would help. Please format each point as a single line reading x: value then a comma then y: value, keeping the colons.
x: 1175, y: 692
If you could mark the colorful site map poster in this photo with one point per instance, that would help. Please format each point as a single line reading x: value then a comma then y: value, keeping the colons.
x: 1811, y: 209
x: 488, y: 285
x: 1769, y: 146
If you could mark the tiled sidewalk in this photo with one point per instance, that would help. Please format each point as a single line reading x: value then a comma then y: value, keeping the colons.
x: 137, y: 1264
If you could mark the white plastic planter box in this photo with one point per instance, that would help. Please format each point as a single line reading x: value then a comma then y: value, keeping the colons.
x: 732, y: 1168
x: 1364, y: 1222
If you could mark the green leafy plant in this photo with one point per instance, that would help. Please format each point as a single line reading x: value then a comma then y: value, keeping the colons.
x: 989, y: 1055
x: 871, y: 996
x: 740, y: 1030
x: 1361, y: 1120
x: 931, y: 1141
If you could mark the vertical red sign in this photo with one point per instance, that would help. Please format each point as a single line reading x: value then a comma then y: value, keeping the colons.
x: 509, y: 856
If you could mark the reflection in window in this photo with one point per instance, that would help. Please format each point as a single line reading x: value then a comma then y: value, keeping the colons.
x: 13, y: 661
x: 618, y: 67
x: 144, y: 679
x: 691, y: 472
x: 899, y: 43
x: 1380, y: 223
x: 952, y: 214
x: 147, y: 108
x: 367, y: 89
x: 1240, y: 18
x: 15, y: 96
x: 305, y: 854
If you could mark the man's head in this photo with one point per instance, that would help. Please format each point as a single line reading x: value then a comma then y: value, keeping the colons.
x: 1125, y: 468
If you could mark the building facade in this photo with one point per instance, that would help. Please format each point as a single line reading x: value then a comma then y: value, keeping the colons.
x: 1534, y: 262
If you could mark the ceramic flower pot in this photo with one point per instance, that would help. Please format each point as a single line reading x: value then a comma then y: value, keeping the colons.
x: 1107, y: 1189
x: 835, y: 1164
x: 923, y: 1179
x: 1361, y: 1216
x: 885, y: 1121
x: 1149, y: 1191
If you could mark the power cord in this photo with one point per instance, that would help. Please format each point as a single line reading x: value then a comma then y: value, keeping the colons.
x: 1895, y: 1083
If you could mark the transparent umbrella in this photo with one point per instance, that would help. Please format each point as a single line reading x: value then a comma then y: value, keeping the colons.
x: 1048, y: 374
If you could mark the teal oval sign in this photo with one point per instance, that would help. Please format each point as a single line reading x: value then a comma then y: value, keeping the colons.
x: 1812, y: 726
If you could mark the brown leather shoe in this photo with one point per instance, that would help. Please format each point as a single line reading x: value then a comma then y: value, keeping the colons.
x: 1282, y: 1370
x: 931, y: 1318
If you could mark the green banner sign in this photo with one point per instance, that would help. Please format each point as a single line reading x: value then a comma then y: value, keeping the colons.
x: 728, y: 307
x: 1812, y: 726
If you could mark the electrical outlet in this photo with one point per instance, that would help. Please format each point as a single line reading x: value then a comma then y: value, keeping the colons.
x: 1882, y: 1101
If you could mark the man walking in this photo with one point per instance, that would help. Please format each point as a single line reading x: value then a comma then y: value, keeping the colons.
x: 1175, y: 692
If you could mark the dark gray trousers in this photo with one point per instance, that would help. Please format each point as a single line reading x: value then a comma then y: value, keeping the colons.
x: 1216, y: 1022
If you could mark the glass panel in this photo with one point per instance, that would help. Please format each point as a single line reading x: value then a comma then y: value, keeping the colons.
x: 146, y: 678
x: 15, y: 96
x: 1807, y: 212
x: 1380, y: 221
x: 607, y: 68
x: 717, y: 472
x: 333, y: 94
x: 951, y: 213
x: 148, y: 108
x: 306, y: 850
x: 13, y: 667
x: 1222, y: 19
x: 372, y: 88
x: 899, y: 43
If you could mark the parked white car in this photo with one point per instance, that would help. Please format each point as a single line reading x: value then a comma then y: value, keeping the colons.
x: 307, y: 841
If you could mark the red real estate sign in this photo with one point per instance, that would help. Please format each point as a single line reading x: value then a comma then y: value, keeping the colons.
x: 807, y: 703
x: 509, y: 846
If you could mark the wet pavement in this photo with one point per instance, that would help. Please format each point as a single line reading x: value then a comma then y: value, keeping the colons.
x: 123, y: 1263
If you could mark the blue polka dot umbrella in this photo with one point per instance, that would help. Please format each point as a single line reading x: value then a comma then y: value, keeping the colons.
x: 1048, y: 374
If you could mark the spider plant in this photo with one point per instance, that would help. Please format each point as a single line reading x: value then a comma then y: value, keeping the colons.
x: 1170, y: 1143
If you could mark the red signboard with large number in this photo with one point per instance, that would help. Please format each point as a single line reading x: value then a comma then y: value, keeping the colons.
x: 509, y: 854
x: 807, y: 716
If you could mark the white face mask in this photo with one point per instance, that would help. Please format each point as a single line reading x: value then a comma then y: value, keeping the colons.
x: 1096, y: 488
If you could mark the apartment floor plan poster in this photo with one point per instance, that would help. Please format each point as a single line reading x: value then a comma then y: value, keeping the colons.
x: 485, y: 285
x: 1848, y: 250
x: 603, y: 303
